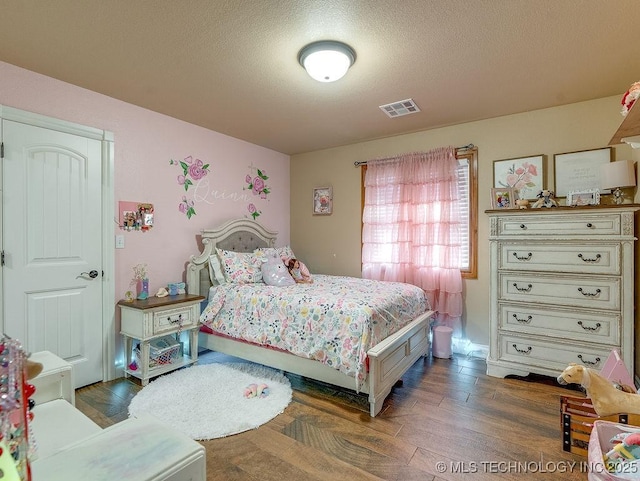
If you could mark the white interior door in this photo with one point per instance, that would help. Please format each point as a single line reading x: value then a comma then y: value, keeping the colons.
x: 52, y: 220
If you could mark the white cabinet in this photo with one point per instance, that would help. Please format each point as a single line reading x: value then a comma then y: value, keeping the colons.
x: 562, y: 288
x: 153, y: 318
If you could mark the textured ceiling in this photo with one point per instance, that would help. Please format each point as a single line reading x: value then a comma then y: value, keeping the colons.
x: 231, y: 66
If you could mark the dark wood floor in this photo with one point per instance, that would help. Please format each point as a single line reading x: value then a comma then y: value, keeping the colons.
x: 448, y: 420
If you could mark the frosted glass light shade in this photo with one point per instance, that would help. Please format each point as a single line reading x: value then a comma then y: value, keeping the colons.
x: 327, y: 61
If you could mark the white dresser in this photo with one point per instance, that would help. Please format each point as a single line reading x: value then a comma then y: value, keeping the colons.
x: 562, y: 288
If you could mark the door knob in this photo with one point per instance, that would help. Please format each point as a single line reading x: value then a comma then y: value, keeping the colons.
x: 93, y: 274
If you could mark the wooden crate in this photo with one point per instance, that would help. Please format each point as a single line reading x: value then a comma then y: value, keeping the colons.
x: 577, y: 417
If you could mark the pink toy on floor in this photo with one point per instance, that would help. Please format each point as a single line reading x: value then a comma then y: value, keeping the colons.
x: 256, y: 390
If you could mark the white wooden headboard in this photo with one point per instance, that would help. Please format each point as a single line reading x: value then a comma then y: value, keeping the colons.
x: 240, y: 235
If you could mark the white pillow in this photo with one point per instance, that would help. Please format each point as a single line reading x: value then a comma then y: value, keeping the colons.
x: 264, y: 253
x: 286, y: 252
x: 215, y: 270
x: 240, y: 267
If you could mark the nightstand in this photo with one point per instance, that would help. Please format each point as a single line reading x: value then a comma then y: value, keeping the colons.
x: 151, y: 319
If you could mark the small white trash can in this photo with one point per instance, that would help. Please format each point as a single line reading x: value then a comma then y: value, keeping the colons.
x: 441, y: 342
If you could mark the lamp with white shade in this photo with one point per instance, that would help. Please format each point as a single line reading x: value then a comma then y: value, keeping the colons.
x: 327, y: 60
x: 618, y: 175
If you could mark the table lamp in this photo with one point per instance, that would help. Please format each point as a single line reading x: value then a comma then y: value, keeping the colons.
x: 616, y: 176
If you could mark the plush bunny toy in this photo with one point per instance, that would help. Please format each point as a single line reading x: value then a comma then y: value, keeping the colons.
x: 275, y: 273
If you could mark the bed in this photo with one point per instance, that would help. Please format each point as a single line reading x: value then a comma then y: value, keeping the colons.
x: 386, y: 361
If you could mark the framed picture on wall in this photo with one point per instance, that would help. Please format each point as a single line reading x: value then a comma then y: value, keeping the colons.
x: 525, y: 174
x: 580, y: 171
x: 322, y: 201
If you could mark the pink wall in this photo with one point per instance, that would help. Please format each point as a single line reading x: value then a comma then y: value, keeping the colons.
x: 145, y: 142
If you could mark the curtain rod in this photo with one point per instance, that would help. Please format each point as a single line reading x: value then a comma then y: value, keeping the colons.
x: 358, y: 163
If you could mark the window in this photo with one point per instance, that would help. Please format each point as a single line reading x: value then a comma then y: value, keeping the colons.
x: 468, y: 184
x: 468, y: 187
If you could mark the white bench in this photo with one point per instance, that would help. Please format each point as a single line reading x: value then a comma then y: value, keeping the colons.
x: 71, y: 447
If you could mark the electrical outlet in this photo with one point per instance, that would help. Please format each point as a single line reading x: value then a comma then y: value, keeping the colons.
x: 119, y: 242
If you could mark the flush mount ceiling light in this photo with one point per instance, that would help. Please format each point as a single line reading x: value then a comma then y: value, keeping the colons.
x: 327, y: 61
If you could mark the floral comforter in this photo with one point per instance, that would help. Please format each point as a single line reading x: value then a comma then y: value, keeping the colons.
x: 335, y: 320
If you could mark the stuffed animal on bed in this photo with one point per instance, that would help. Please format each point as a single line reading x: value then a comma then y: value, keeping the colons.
x: 299, y: 271
x: 275, y: 273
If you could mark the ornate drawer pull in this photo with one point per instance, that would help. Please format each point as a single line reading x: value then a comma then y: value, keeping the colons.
x: 523, y: 258
x: 523, y: 321
x: 589, y: 294
x: 587, y: 259
x: 528, y: 350
x: 522, y: 289
x: 590, y: 363
x: 173, y: 321
x: 588, y: 328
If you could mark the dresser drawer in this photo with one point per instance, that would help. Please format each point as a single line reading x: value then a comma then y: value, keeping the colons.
x: 561, y: 290
x: 580, y: 258
x: 550, y: 355
x: 601, y: 327
x: 169, y: 319
x: 550, y: 226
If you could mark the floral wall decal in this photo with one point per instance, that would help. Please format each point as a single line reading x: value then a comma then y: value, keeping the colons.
x: 256, y: 183
x: 192, y: 171
x: 186, y: 207
x: 255, y: 213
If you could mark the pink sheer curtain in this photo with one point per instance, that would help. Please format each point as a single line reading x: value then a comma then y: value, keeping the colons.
x: 411, y: 227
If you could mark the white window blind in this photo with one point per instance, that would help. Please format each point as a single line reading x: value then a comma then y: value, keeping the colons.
x: 465, y: 206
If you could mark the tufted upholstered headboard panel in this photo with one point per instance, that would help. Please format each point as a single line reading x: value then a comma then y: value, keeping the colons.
x: 241, y: 235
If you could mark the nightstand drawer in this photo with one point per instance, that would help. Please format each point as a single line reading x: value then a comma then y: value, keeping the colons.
x: 168, y: 320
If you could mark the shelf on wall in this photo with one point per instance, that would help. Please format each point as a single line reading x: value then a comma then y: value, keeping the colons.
x: 629, y: 130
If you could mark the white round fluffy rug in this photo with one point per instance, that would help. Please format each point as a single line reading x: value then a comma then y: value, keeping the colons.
x: 207, y: 401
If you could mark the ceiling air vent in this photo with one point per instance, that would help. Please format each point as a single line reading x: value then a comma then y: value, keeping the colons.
x: 398, y: 109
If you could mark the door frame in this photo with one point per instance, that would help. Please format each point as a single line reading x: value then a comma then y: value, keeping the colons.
x: 108, y: 214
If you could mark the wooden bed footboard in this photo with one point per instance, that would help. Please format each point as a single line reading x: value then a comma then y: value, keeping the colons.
x: 390, y: 358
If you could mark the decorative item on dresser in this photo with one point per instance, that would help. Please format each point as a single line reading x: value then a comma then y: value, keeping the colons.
x: 562, y: 288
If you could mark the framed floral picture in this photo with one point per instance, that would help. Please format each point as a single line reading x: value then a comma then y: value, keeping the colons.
x: 322, y: 201
x: 503, y: 198
x: 524, y: 174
